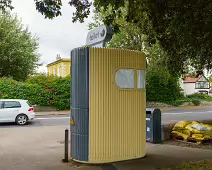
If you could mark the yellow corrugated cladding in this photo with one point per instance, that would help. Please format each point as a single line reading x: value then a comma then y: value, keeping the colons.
x: 117, y: 121
x: 60, y: 68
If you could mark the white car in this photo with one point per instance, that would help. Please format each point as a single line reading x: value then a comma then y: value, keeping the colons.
x: 14, y: 110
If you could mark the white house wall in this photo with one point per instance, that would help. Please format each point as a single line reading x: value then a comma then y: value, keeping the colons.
x: 181, y: 83
x: 202, y: 79
x: 189, y: 88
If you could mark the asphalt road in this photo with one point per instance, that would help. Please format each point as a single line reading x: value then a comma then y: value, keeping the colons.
x: 167, y: 117
x: 191, y: 115
x: 42, y: 121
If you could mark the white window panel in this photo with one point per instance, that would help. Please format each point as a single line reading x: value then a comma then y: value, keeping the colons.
x: 141, y: 79
x: 63, y: 70
x: 125, y: 78
x: 58, y: 71
x: 55, y: 71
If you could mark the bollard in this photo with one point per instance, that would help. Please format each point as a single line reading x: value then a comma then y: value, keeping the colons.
x: 66, y: 147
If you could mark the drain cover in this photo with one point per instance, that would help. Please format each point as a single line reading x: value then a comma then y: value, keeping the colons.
x: 62, y: 141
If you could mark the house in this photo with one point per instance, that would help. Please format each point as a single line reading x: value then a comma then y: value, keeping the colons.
x: 193, y: 85
x: 60, y: 67
x: 210, y: 92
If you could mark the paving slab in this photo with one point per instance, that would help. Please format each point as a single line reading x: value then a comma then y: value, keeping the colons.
x: 40, y: 148
x: 34, y: 148
x: 164, y: 156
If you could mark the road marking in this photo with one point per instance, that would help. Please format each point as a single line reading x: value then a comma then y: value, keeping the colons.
x: 51, y: 118
x: 181, y: 113
x: 172, y: 113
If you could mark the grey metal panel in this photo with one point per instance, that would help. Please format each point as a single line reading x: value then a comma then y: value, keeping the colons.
x: 80, y: 77
x: 153, y: 125
x: 79, y: 147
x: 80, y: 104
x: 157, y: 125
x: 81, y: 117
x: 149, y: 126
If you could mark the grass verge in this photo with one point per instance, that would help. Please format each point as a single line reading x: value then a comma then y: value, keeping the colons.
x: 195, y: 101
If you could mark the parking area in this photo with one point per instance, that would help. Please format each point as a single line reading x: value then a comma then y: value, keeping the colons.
x: 39, y: 146
x: 34, y: 148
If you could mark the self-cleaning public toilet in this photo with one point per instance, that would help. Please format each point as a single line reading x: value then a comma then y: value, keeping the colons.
x: 108, y: 105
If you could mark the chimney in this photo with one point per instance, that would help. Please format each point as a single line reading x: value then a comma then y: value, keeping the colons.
x: 58, y: 57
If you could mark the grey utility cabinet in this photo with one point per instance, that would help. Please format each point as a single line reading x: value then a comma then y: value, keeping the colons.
x: 153, y: 125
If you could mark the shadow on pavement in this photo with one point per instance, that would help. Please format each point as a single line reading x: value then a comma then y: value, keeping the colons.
x: 15, y: 125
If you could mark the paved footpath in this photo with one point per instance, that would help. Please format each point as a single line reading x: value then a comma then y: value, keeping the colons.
x: 40, y: 148
x: 165, y: 156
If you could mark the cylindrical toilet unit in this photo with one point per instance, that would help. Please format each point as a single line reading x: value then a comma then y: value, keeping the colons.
x: 108, y: 100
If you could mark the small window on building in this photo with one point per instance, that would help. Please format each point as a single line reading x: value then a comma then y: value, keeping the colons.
x: 202, y: 85
x: 55, y: 71
x: 197, y: 85
x: 125, y: 78
x: 59, y: 71
x: 141, y: 79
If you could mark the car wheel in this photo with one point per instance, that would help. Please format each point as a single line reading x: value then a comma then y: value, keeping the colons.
x: 21, y: 119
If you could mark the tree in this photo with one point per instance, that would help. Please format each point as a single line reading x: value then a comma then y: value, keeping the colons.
x: 210, y: 79
x: 18, y: 48
x: 183, y: 27
x: 161, y: 85
x: 130, y: 37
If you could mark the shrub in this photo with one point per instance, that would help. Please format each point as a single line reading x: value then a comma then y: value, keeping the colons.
x: 40, y: 90
x: 198, y: 96
x: 178, y: 102
x: 162, y: 86
x: 42, y: 80
x: 33, y: 92
x: 196, y: 102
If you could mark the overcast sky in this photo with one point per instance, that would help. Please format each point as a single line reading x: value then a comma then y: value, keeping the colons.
x: 57, y: 36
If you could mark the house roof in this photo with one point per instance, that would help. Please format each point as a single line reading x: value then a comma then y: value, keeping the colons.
x: 58, y: 61
x: 189, y: 79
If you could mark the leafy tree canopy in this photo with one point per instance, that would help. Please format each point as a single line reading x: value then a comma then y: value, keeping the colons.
x: 183, y: 27
x: 18, y: 48
x: 130, y: 37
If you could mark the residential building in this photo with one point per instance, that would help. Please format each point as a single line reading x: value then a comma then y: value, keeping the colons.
x: 60, y: 67
x: 193, y: 85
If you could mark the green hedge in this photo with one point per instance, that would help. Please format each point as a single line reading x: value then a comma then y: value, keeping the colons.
x: 196, y: 102
x: 40, y: 90
x: 161, y: 85
x: 199, y: 96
